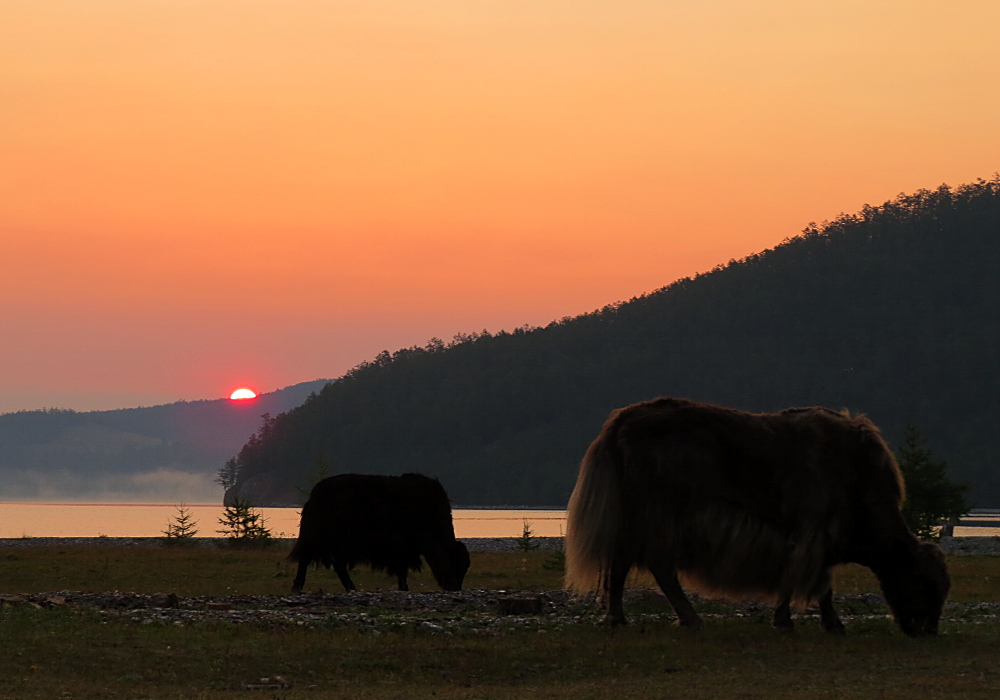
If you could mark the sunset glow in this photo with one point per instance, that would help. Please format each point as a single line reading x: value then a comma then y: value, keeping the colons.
x: 381, y: 173
x: 242, y: 395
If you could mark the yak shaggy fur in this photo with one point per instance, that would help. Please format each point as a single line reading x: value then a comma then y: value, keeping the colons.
x: 386, y: 522
x: 746, y: 505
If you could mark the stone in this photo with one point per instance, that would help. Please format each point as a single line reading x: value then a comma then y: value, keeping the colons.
x: 164, y: 600
x: 519, y: 605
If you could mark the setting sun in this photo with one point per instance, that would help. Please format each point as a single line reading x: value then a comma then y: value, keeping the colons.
x: 242, y: 394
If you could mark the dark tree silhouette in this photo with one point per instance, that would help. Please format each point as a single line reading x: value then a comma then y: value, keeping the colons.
x: 891, y: 312
x: 931, y: 497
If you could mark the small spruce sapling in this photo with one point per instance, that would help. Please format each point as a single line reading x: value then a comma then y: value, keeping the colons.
x: 556, y: 561
x: 183, y: 527
x: 242, y: 525
x: 930, y: 496
x: 526, y: 542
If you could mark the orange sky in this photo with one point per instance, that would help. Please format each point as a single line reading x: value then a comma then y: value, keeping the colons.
x: 196, y: 193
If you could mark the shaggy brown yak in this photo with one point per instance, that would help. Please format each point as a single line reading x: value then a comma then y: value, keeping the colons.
x: 747, y: 505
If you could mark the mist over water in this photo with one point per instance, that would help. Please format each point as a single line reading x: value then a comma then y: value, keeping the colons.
x: 163, y: 485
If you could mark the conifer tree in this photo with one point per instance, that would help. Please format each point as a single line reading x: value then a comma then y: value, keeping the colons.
x: 183, y: 528
x: 241, y: 524
x: 930, y: 496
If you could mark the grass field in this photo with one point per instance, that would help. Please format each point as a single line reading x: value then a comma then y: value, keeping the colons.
x: 74, y: 652
x: 197, y: 571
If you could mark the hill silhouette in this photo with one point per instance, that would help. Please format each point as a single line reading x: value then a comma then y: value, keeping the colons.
x: 892, y: 312
x: 170, y: 451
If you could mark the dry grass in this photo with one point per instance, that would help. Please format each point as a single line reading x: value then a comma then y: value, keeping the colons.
x: 210, y: 571
x: 78, y: 654
x: 59, y: 654
x: 200, y: 571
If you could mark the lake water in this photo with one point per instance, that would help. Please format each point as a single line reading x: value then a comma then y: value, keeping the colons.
x: 144, y: 520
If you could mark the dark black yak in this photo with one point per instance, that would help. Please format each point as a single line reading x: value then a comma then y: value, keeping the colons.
x: 747, y: 505
x: 386, y: 522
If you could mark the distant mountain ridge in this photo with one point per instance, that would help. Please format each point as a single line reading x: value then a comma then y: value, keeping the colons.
x: 893, y: 311
x: 57, y: 453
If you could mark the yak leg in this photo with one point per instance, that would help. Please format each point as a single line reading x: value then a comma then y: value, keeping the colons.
x: 402, y: 581
x: 666, y: 579
x: 344, y: 577
x: 828, y: 614
x: 300, y: 577
x: 783, y: 615
x: 615, y: 588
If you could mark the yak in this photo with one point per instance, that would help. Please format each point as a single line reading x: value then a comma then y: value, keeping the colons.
x: 746, y: 505
x: 386, y: 522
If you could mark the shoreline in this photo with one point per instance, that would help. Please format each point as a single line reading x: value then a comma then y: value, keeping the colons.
x: 474, y: 544
x: 959, y: 546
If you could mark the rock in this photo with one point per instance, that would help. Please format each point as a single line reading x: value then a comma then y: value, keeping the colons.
x: 520, y: 605
x: 271, y: 683
x: 164, y: 600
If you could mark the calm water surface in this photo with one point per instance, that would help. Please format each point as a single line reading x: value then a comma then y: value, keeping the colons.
x: 144, y: 520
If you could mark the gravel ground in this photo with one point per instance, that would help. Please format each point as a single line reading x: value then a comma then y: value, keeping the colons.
x: 970, y: 545
x: 461, y: 612
x: 951, y: 545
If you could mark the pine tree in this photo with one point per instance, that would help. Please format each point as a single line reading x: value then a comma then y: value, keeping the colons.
x: 930, y: 496
x: 556, y: 561
x: 526, y: 542
x: 321, y: 470
x: 228, y: 474
x: 241, y: 524
x: 182, y: 529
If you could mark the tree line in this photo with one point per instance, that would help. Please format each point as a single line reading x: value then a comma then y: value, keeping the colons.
x: 891, y: 312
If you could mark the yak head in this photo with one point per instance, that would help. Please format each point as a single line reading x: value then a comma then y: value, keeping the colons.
x: 448, y: 562
x: 915, y: 582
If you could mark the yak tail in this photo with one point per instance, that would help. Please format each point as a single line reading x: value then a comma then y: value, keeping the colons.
x: 305, y: 551
x: 300, y: 552
x: 594, y: 515
x: 310, y: 546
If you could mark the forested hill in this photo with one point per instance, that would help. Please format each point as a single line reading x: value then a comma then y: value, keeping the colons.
x: 893, y: 312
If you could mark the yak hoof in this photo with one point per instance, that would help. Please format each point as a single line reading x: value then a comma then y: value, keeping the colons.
x: 296, y: 589
x: 836, y: 627
x: 695, y: 624
x: 783, y: 623
x: 615, y: 620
